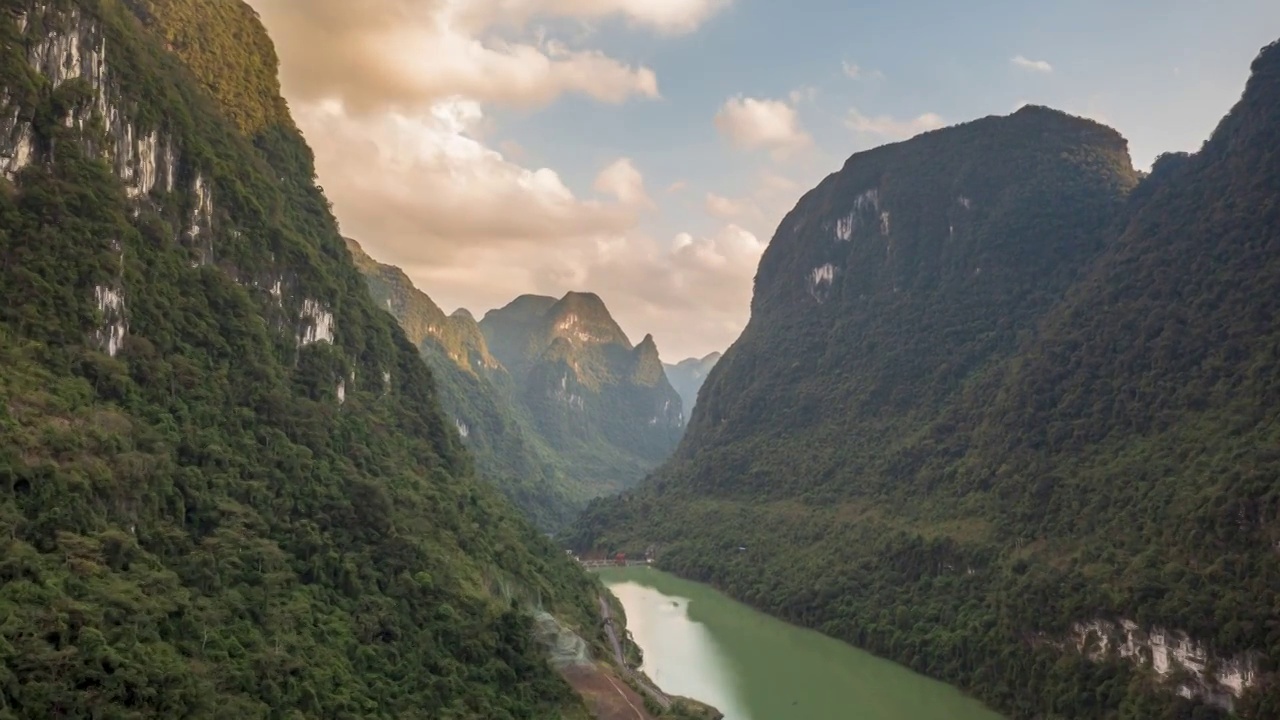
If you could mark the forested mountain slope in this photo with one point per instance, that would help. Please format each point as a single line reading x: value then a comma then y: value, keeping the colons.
x: 604, y: 406
x: 226, y: 486
x: 483, y: 401
x: 1007, y: 415
x: 687, y: 377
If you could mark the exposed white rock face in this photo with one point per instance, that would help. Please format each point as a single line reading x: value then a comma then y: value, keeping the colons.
x: 865, y: 211
x: 1168, y: 653
x: 386, y: 381
x: 202, y: 212
x: 563, y: 394
x: 869, y: 200
x: 143, y: 163
x: 844, y: 229
x: 964, y: 202
x: 342, y: 392
x: 317, y: 323
x: 110, y: 335
x: 673, y: 418
x: 142, y: 160
x: 819, y: 281
x: 571, y: 327
x: 463, y: 430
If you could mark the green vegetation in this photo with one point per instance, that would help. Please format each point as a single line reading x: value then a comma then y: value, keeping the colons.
x: 548, y: 446
x: 476, y: 391
x: 223, y: 44
x: 220, y: 520
x: 603, y: 405
x: 1034, y: 394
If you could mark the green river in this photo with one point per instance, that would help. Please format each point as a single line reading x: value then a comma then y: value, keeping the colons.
x: 700, y: 644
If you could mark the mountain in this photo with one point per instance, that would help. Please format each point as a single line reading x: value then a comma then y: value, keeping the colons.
x: 601, y: 404
x: 687, y: 377
x: 1006, y: 412
x: 226, y: 485
x: 480, y: 397
x: 549, y: 446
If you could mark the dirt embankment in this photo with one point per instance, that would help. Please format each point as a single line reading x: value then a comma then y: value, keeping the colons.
x: 607, y: 695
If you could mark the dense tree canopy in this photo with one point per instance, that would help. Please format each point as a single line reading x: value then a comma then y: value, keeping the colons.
x: 226, y: 486
x: 994, y: 386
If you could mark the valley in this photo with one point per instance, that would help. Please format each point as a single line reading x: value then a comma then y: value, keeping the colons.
x: 985, y: 426
x: 1021, y: 437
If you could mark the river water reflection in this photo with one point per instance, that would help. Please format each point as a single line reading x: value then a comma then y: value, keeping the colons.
x: 700, y: 644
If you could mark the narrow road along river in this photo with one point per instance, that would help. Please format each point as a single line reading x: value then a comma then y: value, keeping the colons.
x: 698, y: 643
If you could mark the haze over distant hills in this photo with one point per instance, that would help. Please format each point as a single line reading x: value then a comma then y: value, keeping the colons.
x: 687, y: 377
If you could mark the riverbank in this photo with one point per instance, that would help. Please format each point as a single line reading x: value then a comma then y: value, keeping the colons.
x: 602, y: 671
x: 751, y: 666
x: 669, y: 707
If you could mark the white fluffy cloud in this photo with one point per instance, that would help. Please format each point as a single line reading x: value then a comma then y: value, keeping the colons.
x: 376, y: 55
x: 1042, y: 66
x: 726, y: 208
x: 752, y: 123
x: 623, y: 181
x: 704, y: 281
x: 857, y: 72
x: 392, y: 97
x: 886, y: 126
x: 424, y: 186
x: 669, y: 16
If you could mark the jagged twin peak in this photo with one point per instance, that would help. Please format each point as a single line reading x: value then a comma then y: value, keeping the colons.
x: 580, y: 373
x: 576, y: 329
x: 549, y: 395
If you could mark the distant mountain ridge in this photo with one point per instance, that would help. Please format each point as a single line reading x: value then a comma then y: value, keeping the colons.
x: 551, y: 397
x: 687, y: 377
x: 1007, y: 412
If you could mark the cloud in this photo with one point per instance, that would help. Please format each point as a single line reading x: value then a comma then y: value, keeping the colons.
x: 754, y: 123
x: 622, y: 180
x: 378, y: 55
x: 807, y: 93
x: 667, y: 16
x: 1034, y: 65
x: 892, y: 128
x: 705, y: 280
x: 394, y: 98
x: 725, y: 208
x: 424, y: 186
x: 678, y: 186
x: 856, y: 72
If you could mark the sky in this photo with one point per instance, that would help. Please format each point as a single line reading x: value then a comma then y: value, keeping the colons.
x: 646, y: 150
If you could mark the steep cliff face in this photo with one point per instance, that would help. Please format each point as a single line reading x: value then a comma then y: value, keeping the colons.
x: 896, y: 280
x: 226, y: 486
x: 687, y: 377
x: 602, y: 404
x: 1008, y: 418
x: 457, y: 336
